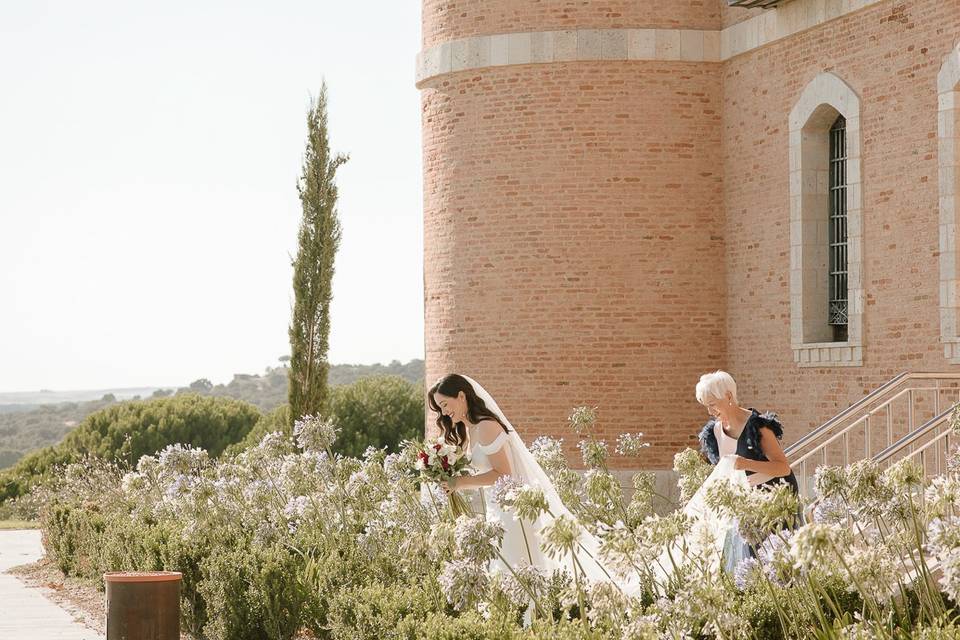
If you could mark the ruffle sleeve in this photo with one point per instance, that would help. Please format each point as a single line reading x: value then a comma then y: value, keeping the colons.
x: 767, y: 420
x: 708, y: 443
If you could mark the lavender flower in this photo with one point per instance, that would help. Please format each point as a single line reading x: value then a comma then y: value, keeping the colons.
x: 747, y: 573
x: 504, y: 491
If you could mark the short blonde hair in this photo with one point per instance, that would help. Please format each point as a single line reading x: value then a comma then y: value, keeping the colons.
x: 716, y: 386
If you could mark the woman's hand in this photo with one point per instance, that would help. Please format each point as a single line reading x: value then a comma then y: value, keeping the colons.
x: 740, y: 463
x: 448, y: 485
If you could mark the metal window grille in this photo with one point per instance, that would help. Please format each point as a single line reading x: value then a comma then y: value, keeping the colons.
x: 838, y: 230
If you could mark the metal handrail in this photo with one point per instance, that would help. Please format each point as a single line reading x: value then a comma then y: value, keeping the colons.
x: 826, y: 426
x: 836, y: 435
x: 911, y: 438
x: 867, y: 399
x: 858, y: 421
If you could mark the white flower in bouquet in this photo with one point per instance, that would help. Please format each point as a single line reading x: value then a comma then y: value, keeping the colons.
x: 438, y: 460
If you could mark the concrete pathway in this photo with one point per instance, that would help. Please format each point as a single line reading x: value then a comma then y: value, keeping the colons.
x: 25, y: 613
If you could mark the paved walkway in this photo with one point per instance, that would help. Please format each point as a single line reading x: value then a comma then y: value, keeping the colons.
x: 25, y: 613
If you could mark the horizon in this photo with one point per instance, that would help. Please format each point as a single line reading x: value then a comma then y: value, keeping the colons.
x: 153, y: 387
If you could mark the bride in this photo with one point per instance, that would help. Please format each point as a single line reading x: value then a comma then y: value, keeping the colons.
x: 469, y: 417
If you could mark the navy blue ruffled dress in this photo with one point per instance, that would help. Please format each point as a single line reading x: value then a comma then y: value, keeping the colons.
x: 748, y: 446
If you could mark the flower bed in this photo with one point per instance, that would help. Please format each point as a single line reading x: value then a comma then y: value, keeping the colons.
x: 287, y: 538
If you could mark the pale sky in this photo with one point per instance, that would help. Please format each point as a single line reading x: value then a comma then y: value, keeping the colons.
x: 148, y: 162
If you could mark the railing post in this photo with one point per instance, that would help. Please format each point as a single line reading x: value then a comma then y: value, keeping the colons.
x: 910, y: 417
x: 889, y: 425
x: 866, y: 436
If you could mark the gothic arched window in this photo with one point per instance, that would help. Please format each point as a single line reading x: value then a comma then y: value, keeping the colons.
x: 826, y: 239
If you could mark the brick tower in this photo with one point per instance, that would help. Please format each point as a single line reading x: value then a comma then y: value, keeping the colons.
x: 574, y: 232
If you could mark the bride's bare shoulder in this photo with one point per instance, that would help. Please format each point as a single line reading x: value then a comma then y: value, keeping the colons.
x: 488, y: 431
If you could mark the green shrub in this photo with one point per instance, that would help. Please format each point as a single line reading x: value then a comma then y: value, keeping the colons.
x: 277, y: 420
x: 469, y: 626
x: 374, y: 611
x: 252, y: 593
x: 379, y: 411
x: 124, y: 432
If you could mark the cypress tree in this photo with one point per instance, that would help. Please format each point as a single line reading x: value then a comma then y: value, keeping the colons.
x: 319, y: 238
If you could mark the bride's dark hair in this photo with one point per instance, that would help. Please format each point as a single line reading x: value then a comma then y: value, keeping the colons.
x: 450, y: 385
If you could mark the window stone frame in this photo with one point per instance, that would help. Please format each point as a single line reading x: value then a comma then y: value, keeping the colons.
x: 948, y: 122
x: 823, y: 99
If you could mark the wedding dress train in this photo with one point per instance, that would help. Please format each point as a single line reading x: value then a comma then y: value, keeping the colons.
x: 522, y: 539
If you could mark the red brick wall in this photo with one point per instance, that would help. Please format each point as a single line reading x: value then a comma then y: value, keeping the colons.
x: 890, y: 55
x: 573, y: 241
x: 604, y: 232
x: 445, y: 20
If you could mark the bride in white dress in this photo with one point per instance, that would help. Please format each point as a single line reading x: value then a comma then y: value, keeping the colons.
x: 468, y: 416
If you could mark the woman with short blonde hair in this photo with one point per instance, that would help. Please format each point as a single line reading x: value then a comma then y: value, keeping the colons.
x: 752, y: 439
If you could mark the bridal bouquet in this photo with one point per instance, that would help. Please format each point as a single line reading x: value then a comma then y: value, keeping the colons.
x: 438, y: 461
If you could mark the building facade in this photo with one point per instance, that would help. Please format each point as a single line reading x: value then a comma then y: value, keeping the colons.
x: 622, y: 195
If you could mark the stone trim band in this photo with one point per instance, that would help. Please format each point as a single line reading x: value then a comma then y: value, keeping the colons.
x: 686, y: 45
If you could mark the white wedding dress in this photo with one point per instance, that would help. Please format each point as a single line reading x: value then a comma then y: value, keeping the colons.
x: 522, y: 539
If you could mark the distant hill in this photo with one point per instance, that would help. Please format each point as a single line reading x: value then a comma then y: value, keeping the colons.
x: 27, y: 422
x: 28, y: 400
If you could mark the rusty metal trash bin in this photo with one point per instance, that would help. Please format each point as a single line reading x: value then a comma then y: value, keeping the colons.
x: 143, y: 605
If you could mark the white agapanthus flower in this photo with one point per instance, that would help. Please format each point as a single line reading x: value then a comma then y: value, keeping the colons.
x: 548, y: 453
x: 873, y: 569
x: 463, y: 582
x: 522, y: 584
x: 631, y: 444
x: 315, y: 433
x: 478, y: 538
x: 178, y: 459
x: 813, y: 543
